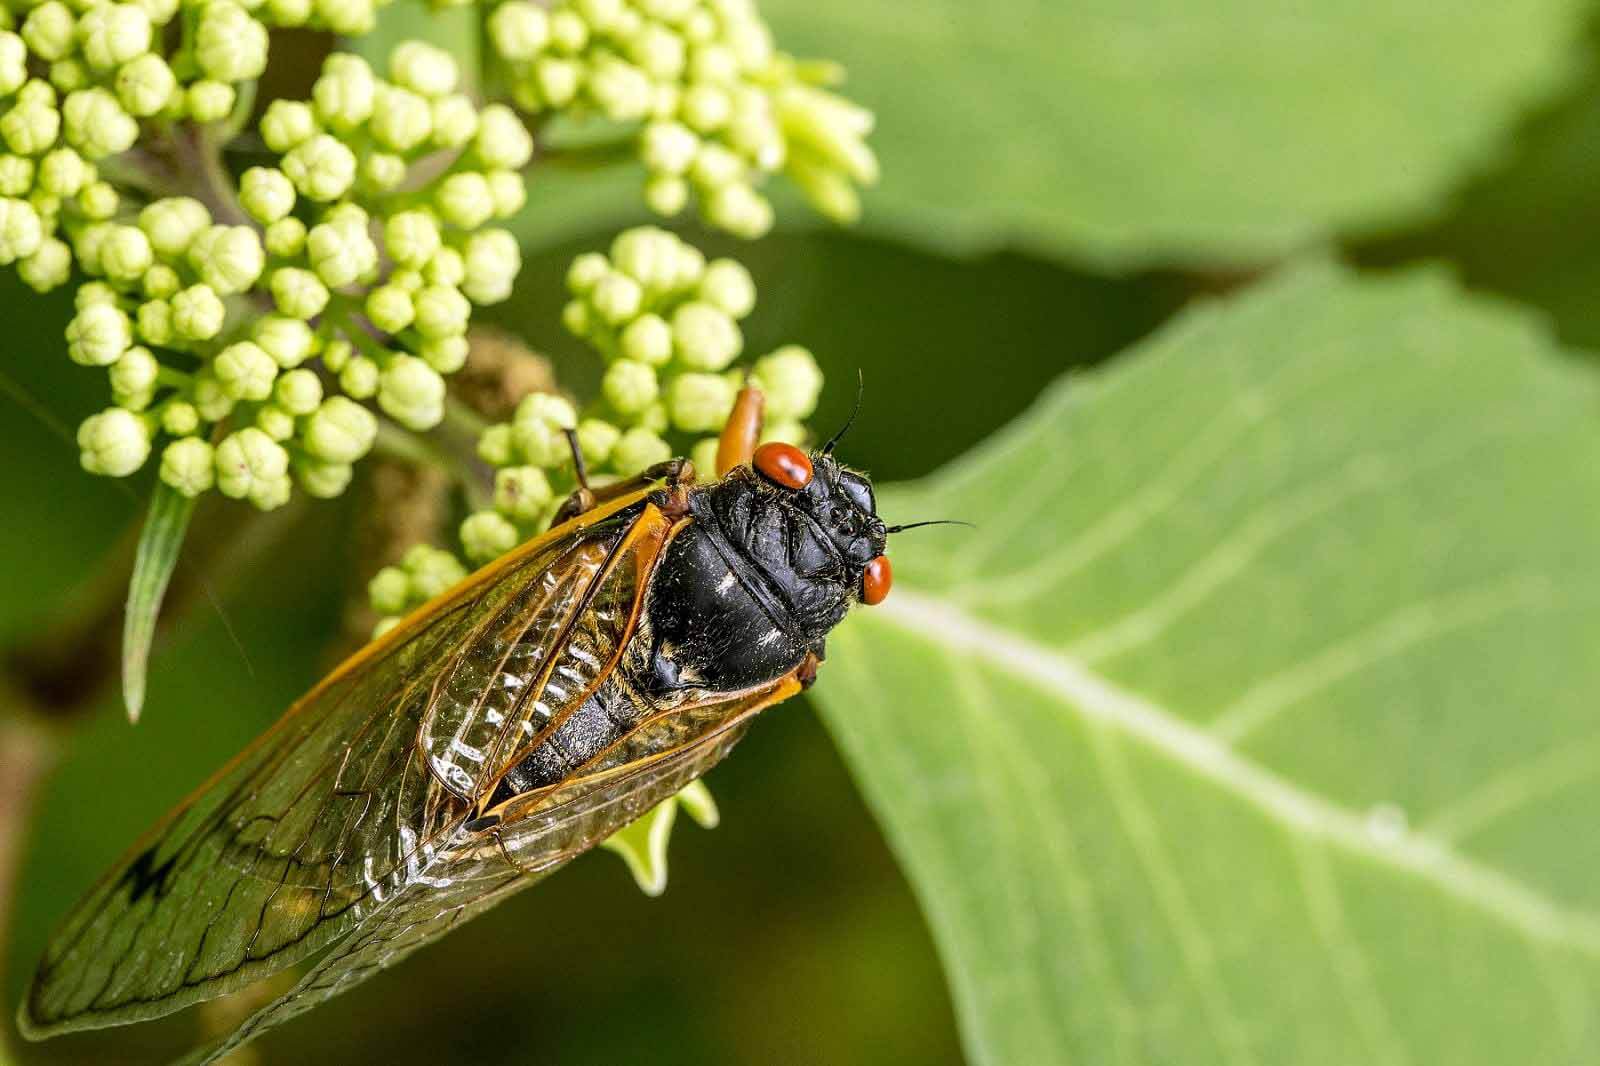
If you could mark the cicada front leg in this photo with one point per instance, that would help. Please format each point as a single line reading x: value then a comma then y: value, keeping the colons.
x: 674, y: 472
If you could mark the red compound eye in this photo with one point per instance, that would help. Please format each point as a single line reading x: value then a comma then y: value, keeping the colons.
x: 783, y: 464
x: 875, y: 580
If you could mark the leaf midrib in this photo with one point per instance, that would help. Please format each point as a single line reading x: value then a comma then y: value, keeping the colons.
x: 1484, y: 888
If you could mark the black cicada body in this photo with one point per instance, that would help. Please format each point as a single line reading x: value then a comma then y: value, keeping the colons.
x: 495, y: 734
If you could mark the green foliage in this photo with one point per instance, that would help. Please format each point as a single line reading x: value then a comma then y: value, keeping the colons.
x: 1144, y: 132
x: 157, y: 555
x: 1255, y: 721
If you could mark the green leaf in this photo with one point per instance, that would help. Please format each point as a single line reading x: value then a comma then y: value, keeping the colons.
x: 153, y: 562
x: 1255, y: 723
x: 1146, y: 131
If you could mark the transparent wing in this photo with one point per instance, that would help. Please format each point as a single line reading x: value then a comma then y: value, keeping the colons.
x: 479, y: 870
x: 312, y: 829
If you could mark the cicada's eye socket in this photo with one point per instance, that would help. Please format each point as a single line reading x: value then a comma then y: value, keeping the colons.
x: 875, y: 580
x: 783, y: 464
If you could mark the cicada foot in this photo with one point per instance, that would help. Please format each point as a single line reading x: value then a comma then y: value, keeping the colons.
x: 675, y: 472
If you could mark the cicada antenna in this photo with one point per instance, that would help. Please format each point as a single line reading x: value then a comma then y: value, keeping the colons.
x: 930, y: 522
x: 861, y: 388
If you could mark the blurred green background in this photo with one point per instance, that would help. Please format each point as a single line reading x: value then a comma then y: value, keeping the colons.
x: 787, y: 935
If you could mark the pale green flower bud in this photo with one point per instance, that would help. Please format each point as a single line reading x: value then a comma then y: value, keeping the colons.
x: 523, y: 492
x: 287, y: 124
x: 321, y: 168
x: 30, y: 129
x: 616, y: 298
x: 287, y: 340
x: 412, y: 393
x: 700, y: 403
x: 713, y: 63
x: 98, y: 200
x: 455, y: 121
x: 728, y: 287
x: 209, y: 101
x: 502, y: 143
x: 244, y: 371
x: 360, y: 377
x: 496, y: 445
x: 48, y: 267
x: 228, y: 258
x: 401, y: 119
x: 173, y: 224
x: 519, y: 30
x: 558, y: 80
x: 96, y: 124
x: 298, y: 392
x: 349, y: 18
x: 423, y: 68
x: 21, y: 232
x: 98, y: 335
x: 668, y: 147
x: 703, y: 454
x: 154, y: 322
x: 286, y: 238
x: 160, y: 282
x: 464, y: 199
x: 648, y: 339
x: 251, y: 464
x: 94, y: 292
x: 287, y: 13
x: 230, y: 45
x: 789, y: 432
x: 50, y: 31
x: 125, y: 253
x: 577, y: 318
x: 659, y: 52
x: 445, y: 354
x: 654, y: 418
x: 390, y: 590
x: 630, y: 387
x: 432, y: 570
x: 569, y: 32
x: 336, y: 353
x: 114, y: 442
x: 828, y: 191
x: 63, y: 173
x: 622, y: 91
x: 586, y: 270
x: 146, y: 84
x: 411, y: 238
x: 209, y: 399
x: 323, y: 480
x: 198, y: 313
x: 382, y: 171
x: 441, y: 311
x: 508, y: 191
x: 134, y: 371
x: 666, y: 195
x: 340, y: 431
x: 637, y: 450
x: 492, y: 261
x: 689, y: 268
x: 13, y: 63
x: 36, y: 93
x: 298, y: 292
x: 112, y: 34
x: 740, y: 210
x: 335, y: 254
x: 346, y: 92
x: 792, y: 382
x: 716, y: 165
x: 188, y: 466
x: 180, y: 419
x: 831, y: 128
x: 706, y: 108
x: 16, y: 175
x: 266, y: 193
x: 597, y: 438
x: 705, y: 337
x: 487, y: 535
x: 647, y: 254
x: 275, y: 422
x: 537, y: 429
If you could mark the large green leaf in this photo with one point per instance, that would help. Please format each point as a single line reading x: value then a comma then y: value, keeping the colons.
x: 1146, y: 130
x: 1255, y: 723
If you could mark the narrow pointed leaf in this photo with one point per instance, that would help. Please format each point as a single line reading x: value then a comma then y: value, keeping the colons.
x: 159, y: 543
x: 1256, y: 721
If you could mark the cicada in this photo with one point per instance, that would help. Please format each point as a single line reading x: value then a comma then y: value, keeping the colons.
x: 496, y: 733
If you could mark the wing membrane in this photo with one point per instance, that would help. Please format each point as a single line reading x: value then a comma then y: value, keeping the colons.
x: 304, y: 836
x: 477, y: 871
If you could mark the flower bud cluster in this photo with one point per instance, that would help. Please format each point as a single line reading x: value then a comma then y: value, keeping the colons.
x: 666, y: 322
x: 367, y: 245
x: 719, y: 108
